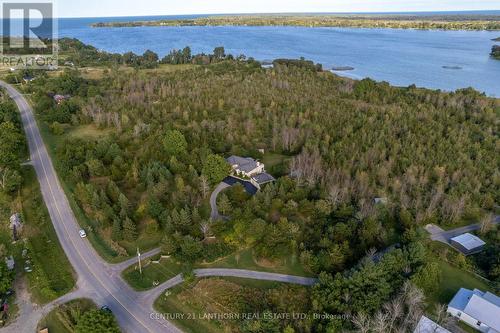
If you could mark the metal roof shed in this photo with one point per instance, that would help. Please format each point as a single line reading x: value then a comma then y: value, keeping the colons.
x: 467, y: 243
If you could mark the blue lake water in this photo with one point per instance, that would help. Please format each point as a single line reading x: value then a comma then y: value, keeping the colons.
x: 401, y: 57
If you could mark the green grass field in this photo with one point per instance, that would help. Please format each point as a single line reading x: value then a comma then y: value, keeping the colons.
x: 272, y: 159
x: 97, y: 73
x: 245, y: 259
x: 165, y: 270
x: 52, y: 274
x: 452, y: 279
x: 168, y: 268
x: 211, y: 295
x: 59, y: 320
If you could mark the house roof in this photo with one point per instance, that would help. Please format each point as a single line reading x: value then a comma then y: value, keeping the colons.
x: 461, y: 299
x: 492, y: 298
x: 425, y: 325
x: 245, y: 164
x: 484, y: 311
x: 469, y: 241
x: 482, y: 306
x: 263, y: 178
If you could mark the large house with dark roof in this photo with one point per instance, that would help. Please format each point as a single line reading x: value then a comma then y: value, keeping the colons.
x: 476, y: 308
x: 249, y: 170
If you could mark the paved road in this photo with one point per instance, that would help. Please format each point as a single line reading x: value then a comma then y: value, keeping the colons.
x: 98, y: 280
x: 118, y: 268
x: 444, y: 236
x: 153, y: 294
x: 95, y: 277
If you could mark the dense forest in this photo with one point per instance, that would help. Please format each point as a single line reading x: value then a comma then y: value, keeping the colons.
x: 360, y: 166
x: 445, y: 22
x: 12, y: 150
x: 12, y: 146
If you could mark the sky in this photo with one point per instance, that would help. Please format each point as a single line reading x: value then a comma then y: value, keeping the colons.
x: 101, y: 8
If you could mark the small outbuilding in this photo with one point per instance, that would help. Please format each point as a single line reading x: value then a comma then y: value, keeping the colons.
x: 468, y: 243
x: 380, y: 201
x: 425, y: 325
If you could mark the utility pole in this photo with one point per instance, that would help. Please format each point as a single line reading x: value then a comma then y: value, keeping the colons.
x: 139, y: 258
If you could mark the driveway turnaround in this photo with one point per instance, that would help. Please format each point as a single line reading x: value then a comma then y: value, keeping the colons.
x: 98, y: 280
x: 444, y: 236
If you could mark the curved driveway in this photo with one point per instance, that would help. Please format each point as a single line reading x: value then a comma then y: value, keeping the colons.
x: 153, y: 294
x: 214, y: 215
x: 98, y: 280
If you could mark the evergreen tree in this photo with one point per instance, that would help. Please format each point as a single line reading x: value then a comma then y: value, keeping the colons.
x: 216, y: 168
x: 117, y: 232
x: 129, y: 230
x: 174, y: 143
x: 224, y: 204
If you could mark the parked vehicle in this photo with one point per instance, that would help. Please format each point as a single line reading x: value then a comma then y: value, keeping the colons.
x: 105, y: 308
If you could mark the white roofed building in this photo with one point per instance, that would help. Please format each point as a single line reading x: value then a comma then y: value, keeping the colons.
x: 467, y: 243
x: 476, y: 308
x: 425, y: 325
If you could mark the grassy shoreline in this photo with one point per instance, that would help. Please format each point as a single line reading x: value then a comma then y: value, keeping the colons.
x: 442, y: 22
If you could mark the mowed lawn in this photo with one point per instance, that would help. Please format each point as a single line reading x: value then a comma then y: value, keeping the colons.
x: 245, y: 259
x: 272, y: 159
x: 169, y: 268
x: 152, y: 273
x: 452, y: 279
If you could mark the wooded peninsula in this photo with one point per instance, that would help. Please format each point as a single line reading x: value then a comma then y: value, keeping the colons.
x: 444, y: 22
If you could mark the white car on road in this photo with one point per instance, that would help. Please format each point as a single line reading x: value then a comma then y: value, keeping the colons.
x: 83, y: 234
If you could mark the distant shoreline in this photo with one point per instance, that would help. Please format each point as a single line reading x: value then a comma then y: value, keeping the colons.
x: 430, y: 22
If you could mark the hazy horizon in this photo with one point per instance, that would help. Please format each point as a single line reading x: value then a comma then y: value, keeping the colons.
x: 127, y: 8
x: 295, y: 13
